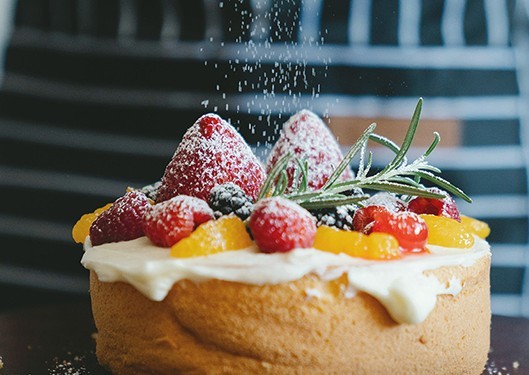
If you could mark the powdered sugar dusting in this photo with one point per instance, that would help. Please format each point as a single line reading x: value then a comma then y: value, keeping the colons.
x: 280, y: 225
x: 306, y: 135
x: 211, y: 153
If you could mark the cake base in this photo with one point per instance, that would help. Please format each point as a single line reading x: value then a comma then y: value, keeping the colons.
x: 219, y: 327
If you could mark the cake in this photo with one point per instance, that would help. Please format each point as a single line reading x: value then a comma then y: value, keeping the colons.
x: 226, y: 267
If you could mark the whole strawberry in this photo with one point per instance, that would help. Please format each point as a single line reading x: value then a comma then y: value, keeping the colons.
x: 306, y: 136
x: 122, y: 221
x: 211, y: 153
x: 439, y: 207
x: 280, y: 225
x: 168, y: 222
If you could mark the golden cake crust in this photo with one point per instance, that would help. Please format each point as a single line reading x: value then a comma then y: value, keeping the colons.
x: 219, y: 327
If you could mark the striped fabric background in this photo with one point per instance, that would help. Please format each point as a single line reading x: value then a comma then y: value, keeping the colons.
x: 96, y: 94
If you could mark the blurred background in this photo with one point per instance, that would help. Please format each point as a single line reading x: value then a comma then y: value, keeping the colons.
x: 95, y: 95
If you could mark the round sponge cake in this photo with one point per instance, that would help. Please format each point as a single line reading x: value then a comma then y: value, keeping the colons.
x: 222, y: 327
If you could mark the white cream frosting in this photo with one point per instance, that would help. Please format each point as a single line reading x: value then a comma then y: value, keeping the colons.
x: 400, y: 285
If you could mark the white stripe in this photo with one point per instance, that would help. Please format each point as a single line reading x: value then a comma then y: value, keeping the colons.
x: 171, y: 23
x: 261, y: 20
x: 508, y: 255
x: 452, y: 22
x: 33, y: 278
x: 359, y: 22
x: 108, y: 188
x: 409, y: 22
x: 497, y: 22
x: 310, y: 18
x: 213, y: 31
x: 506, y: 304
x: 495, y: 206
x: 488, y: 158
x: 128, y: 20
x: 521, y: 47
x: 463, y: 108
x: 475, y: 57
x: 6, y: 22
x: 37, y: 229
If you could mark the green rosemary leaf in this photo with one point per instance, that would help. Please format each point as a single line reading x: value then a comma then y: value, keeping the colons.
x: 443, y: 184
x: 349, y: 156
x: 303, y: 168
x: 281, y: 185
x: 408, y: 139
x: 397, y: 188
x: 272, y: 176
x: 436, y: 140
x: 326, y: 203
x: 405, y: 181
x: 304, y: 196
x: 381, y: 140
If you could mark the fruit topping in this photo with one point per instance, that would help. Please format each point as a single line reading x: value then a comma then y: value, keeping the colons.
x: 340, y: 217
x: 215, y: 236
x: 443, y: 231
x: 306, y: 137
x: 211, y: 153
x: 81, y: 229
x: 408, y: 228
x: 431, y: 206
x: 230, y: 198
x: 280, y: 225
x: 151, y: 190
x: 365, y: 217
x: 168, y: 222
x: 477, y: 227
x: 390, y: 201
x: 122, y: 221
x: 376, y: 246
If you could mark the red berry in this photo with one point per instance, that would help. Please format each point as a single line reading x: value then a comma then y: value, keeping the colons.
x: 364, y: 218
x: 168, y: 222
x: 122, y: 221
x: 211, y: 153
x: 385, y: 199
x: 438, y: 207
x: 280, y: 225
x: 407, y: 227
x: 306, y: 136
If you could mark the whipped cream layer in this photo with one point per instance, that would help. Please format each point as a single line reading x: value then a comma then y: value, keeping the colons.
x: 400, y: 285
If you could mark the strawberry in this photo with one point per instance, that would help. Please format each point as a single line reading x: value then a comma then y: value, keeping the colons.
x: 306, y: 136
x: 168, y: 222
x: 211, y: 153
x: 440, y: 207
x: 122, y: 221
x: 407, y: 227
x: 364, y: 218
x: 280, y: 225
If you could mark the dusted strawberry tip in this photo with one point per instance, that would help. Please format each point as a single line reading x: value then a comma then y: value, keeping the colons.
x: 279, y: 225
x: 439, y: 207
x: 307, y: 137
x: 211, y: 153
x: 168, y: 222
x: 122, y: 221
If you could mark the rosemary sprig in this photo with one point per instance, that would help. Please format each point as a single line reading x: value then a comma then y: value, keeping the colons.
x: 398, y: 176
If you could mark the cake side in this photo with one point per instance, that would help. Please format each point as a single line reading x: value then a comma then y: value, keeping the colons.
x: 226, y: 327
